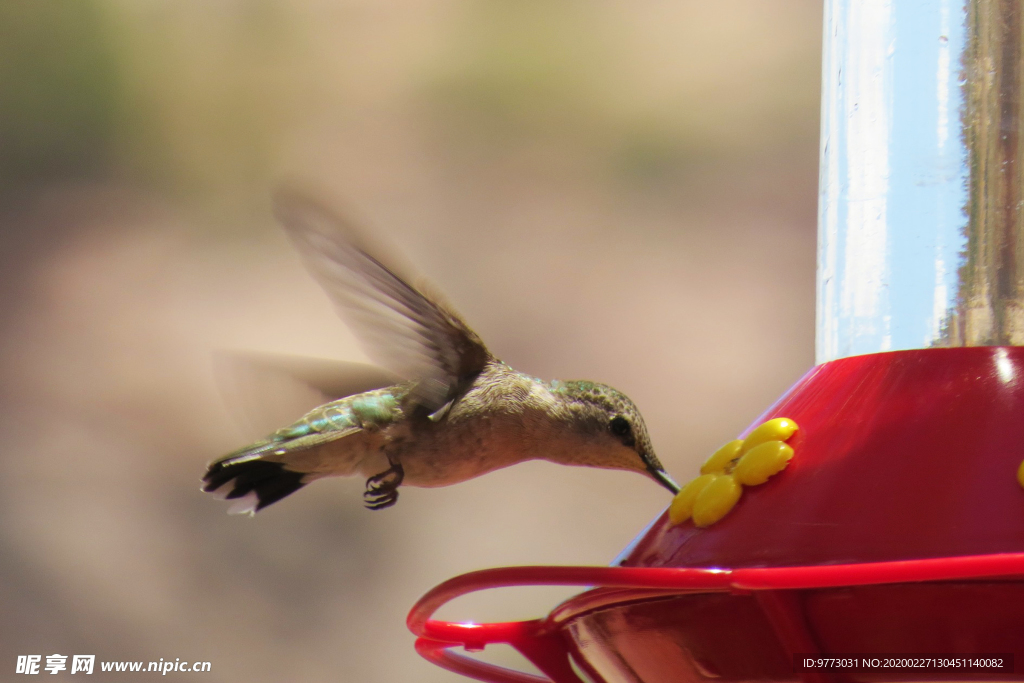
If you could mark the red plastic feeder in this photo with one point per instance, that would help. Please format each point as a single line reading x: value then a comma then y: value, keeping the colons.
x: 898, y: 527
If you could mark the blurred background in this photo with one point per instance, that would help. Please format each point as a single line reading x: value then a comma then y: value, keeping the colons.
x: 623, y: 192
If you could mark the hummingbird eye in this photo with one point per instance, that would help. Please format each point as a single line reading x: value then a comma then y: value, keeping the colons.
x: 621, y: 428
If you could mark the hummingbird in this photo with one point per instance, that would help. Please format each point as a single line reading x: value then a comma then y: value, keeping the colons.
x: 459, y: 412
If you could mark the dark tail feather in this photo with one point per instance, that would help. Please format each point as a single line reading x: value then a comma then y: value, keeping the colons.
x: 252, y: 482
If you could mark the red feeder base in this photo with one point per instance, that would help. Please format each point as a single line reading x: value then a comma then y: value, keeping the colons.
x: 897, y: 528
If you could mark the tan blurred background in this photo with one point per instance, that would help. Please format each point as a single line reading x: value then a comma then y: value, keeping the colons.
x: 617, y: 191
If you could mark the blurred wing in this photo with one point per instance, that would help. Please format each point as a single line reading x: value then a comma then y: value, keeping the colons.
x: 399, y: 327
x: 264, y: 391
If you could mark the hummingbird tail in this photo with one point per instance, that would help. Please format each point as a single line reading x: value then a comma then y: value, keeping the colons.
x: 251, y: 482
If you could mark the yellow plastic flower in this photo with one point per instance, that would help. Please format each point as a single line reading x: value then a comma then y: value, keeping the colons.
x: 741, y: 462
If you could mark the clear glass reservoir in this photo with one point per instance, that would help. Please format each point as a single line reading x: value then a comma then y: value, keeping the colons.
x: 920, y: 225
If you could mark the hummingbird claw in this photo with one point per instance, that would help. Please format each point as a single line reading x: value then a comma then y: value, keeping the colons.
x: 380, y: 502
x: 382, y: 489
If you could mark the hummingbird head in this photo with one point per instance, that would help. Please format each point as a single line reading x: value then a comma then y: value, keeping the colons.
x: 607, y: 416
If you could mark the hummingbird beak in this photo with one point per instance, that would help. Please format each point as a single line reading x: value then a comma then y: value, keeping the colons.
x: 662, y: 478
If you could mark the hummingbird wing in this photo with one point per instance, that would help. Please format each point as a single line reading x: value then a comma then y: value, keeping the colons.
x: 265, y: 390
x: 413, y: 335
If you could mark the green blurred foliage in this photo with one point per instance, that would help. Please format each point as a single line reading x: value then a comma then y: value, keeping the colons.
x: 206, y: 100
x: 520, y: 69
x: 649, y: 91
x: 207, y: 92
x: 60, y: 90
x: 179, y: 97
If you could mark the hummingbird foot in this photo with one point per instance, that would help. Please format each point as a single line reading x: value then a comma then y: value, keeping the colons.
x: 382, y: 489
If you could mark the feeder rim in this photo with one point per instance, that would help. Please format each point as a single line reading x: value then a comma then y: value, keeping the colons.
x: 435, y: 638
x: 662, y: 582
